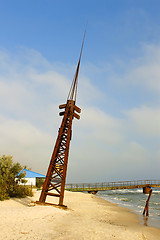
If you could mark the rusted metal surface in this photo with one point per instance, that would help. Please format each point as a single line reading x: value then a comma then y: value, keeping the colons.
x: 92, y: 192
x: 146, y: 209
x: 104, y: 186
x: 57, y: 170
x: 147, y: 189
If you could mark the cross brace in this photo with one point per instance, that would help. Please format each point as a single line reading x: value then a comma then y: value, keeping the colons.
x: 56, y: 174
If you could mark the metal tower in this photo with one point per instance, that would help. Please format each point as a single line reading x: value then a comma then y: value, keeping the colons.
x: 56, y: 174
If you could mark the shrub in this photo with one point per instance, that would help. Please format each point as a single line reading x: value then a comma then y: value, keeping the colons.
x: 8, y: 186
x: 20, y: 191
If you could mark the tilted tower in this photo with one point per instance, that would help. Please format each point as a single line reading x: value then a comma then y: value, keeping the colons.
x: 56, y: 174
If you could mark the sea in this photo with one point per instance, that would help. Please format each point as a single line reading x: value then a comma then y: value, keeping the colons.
x: 135, y: 200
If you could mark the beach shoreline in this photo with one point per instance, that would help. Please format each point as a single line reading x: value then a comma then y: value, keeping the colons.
x: 87, y: 217
x: 136, y: 205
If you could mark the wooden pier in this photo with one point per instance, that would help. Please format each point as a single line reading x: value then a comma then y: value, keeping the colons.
x: 105, y: 186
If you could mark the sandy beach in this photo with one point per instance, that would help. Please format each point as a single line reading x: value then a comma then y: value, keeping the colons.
x: 87, y: 217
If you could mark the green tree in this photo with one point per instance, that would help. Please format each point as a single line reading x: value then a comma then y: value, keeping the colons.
x: 9, y: 179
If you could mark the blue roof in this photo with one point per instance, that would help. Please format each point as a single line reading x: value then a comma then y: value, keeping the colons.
x: 31, y: 174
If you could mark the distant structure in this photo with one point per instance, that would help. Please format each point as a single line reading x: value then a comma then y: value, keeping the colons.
x: 31, y: 177
x: 56, y: 174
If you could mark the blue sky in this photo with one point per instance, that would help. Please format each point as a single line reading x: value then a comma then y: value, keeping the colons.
x: 118, y: 135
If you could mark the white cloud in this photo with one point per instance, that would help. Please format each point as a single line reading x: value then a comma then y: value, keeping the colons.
x: 57, y: 83
x: 145, y: 120
x: 100, y: 126
x: 143, y: 71
x: 104, y: 147
x: 11, y: 95
x: 88, y: 94
x: 28, y: 144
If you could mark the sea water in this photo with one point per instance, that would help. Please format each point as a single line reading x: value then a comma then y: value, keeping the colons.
x: 135, y: 200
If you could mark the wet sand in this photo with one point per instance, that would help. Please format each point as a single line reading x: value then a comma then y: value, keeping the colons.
x: 87, y: 217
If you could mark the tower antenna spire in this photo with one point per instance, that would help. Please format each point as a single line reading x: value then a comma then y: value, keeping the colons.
x: 73, y: 90
x: 54, y: 184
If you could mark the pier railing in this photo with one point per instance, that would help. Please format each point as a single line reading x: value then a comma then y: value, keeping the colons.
x: 104, y: 186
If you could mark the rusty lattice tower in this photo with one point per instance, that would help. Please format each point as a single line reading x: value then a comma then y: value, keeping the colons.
x: 56, y: 174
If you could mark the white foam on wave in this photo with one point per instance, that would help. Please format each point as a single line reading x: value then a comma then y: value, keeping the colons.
x: 139, y: 190
x: 135, y: 200
x: 124, y: 199
x: 140, y: 206
x: 156, y: 191
x: 155, y: 203
x: 128, y: 191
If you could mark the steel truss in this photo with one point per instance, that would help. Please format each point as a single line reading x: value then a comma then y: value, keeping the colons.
x: 56, y: 174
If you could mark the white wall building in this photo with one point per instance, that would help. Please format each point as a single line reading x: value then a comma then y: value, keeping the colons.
x: 31, y: 177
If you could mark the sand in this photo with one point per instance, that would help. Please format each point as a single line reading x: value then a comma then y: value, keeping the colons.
x: 87, y: 217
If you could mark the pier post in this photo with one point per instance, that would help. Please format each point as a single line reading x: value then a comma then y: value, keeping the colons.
x: 93, y: 192
x: 146, y: 209
x: 146, y: 189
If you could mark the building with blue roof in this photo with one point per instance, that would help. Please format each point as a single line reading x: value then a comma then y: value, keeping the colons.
x: 31, y: 177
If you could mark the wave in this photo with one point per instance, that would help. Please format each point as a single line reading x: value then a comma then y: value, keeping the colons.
x: 155, y: 208
x: 155, y: 203
x: 134, y: 191
x: 142, y: 207
x: 156, y: 191
x: 124, y: 199
x: 135, y: 200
